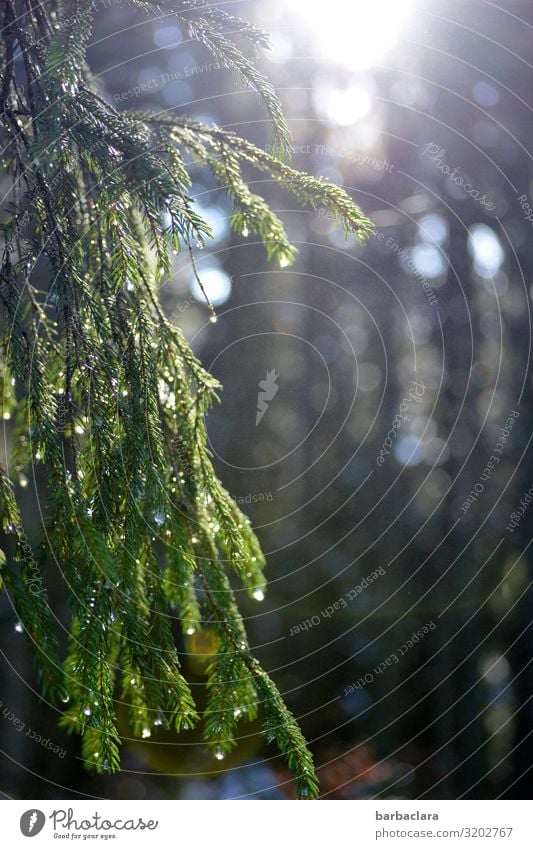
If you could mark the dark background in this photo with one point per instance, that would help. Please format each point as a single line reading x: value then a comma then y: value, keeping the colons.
x: 347, y: 329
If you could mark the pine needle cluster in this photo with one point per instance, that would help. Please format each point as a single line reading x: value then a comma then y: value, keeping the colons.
x: 102, y: 394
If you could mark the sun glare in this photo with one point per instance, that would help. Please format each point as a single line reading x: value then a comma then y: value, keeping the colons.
x: 355, y: 33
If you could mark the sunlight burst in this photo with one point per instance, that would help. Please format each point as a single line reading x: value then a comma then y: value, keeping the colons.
x: 354, y: 34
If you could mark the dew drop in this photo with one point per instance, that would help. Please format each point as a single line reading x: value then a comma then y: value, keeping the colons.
x: 146, y: 733
x: 219, y: 754
x: 19, y: 627
x: 87, y: 711
x: 258, y: 595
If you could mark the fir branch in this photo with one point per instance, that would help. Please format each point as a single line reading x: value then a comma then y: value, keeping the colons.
x: 217, y: 29
x: 214, y: 146
x: 104, y: 392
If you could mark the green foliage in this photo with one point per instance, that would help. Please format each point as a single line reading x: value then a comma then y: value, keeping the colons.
x: 104, y: 393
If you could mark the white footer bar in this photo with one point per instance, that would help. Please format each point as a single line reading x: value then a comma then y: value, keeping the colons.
x: 264, y: 824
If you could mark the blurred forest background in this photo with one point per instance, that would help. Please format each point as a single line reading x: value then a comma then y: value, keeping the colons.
x: 395, y: 102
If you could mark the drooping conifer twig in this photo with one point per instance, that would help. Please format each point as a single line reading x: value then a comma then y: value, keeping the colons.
x: 102, y: 390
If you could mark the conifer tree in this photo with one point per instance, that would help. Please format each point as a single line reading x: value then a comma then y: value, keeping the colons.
x: 101, y: 392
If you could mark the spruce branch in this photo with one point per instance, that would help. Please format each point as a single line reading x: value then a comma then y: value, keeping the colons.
x: 103, y: 392
x: 218, y: 30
